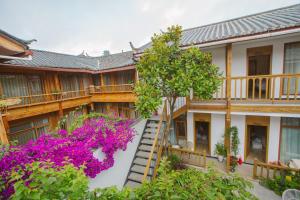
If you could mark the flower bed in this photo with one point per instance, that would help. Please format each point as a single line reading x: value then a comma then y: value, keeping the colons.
x: 75, y: 148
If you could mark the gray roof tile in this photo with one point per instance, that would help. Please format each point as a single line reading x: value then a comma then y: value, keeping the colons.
x: 273, y: 20
x: 42, y: 58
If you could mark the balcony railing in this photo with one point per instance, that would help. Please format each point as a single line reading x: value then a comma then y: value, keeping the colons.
x: 43, y: 98
x: 112, y: 88
x: 261, y: 88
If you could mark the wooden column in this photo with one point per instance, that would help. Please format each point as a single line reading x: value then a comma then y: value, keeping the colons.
x: 136, y: 76
x: 57, y: 82
x: 58, y: 88
x: 101, y: 79
x: 3, y: 129
x: 92, y: 107
x: 228, y: 92
x: 53, y: 121
x: 84, y: 110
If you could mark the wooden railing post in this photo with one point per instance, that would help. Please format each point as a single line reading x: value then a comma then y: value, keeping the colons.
x: 255, y: 169
x: 3, y: 130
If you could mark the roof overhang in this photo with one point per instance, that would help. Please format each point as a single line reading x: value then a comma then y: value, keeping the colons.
x: 10, y: 47
x: 244, y: 38
x: 58, y: 69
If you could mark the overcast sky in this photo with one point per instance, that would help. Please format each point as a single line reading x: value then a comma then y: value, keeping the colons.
x: 71, y: 26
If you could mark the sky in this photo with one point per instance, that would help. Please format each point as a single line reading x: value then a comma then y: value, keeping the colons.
x: 71, y: 26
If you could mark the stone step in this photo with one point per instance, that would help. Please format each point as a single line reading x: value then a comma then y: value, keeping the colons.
x: 140, y: 161
x: 150, y: 130
x: 144, y: 147
x: 132, y: 184
x: 136, y: 177
x: 147, y: 141
x: 152, y: 125
x: 145, y: 154
x: 138, y: 169
x: 149, y: 135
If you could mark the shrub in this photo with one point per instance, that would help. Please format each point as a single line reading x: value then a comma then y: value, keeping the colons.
x: 47, y: 181
x: 110, y: 193
x: 175, y: 162
x: 284, y: 181
x: 185, y: 184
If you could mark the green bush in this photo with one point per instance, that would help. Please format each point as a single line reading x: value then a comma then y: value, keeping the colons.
x: 110, y: 193
x: 43, y: 181
x: 184, y: 184
x: 175, y: 162
x: 282, y: 182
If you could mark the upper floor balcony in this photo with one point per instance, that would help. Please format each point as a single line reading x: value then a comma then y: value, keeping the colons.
x: 276, y: 93
x: 26, y: 106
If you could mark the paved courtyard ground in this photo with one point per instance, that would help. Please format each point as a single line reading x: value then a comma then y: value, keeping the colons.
x: 245, y: 171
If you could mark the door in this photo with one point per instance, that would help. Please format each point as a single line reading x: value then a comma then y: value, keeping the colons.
x: 259, y: 63
x: 256, y: 146
x: 202, y: 136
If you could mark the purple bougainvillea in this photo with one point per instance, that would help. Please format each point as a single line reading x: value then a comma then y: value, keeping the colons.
x: 76, y: 148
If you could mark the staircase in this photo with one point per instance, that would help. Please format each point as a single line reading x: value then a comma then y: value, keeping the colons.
x: 134, y: 177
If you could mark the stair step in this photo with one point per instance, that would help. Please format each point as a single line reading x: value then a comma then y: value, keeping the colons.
x: 144, y: 147
x: 138, y: 169
x: 150, y: 130
x: 140, y: 161
x: 149, y: 136
x: 136, y: 177
x: 152, y: 125
x: 132, y: 184
x: 145, y: 154
x: 147, y: 141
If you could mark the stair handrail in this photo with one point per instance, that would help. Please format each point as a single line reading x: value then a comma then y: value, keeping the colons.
x: 155, y: 142
x: 162, y: 145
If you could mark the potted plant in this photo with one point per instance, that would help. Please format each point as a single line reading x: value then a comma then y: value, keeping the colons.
x: 220, y: 151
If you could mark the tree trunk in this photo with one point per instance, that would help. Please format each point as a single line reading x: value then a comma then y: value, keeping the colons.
x: 172, y: 134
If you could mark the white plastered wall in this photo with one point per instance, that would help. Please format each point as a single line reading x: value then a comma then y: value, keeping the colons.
x: 274, y: 138
x: 190, y: 127
x: 217, y: 130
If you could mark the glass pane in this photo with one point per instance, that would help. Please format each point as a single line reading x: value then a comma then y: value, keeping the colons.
x: 291, y: 65
x: 290, y: 144
x: 14, y: 85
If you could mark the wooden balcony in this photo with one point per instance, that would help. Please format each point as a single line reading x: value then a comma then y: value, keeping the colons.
x: 263, y: 93
x: 113, y: 93
x: 27, y: 106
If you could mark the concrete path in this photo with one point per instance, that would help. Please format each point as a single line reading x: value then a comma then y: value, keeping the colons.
x: 263, y: 193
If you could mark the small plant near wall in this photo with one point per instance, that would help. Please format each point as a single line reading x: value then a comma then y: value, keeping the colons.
x: 220, y: 151
x: 233, y: 134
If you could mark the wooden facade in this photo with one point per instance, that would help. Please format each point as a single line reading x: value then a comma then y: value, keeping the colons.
x: 32, y: 95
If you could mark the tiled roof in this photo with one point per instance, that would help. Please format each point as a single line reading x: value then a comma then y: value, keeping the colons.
x: 274, y: 20
x: 22, y: 42
x: 57, y: 60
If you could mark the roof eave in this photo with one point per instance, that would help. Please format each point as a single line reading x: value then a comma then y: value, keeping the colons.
x: 235, y: 39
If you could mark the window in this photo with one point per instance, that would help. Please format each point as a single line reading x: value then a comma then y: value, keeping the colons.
x: 14, y: 85
x: 291, y: 65
x: 290, y: 139
x: 24, y: 131
x: 69, y: 83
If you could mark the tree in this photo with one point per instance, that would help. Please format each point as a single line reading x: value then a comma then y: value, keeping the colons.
x: 166, y: 70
